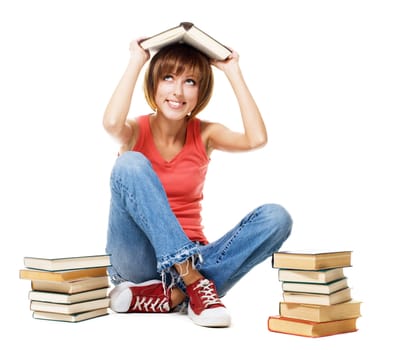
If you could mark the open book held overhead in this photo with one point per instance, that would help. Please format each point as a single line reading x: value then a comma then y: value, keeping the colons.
x: 188, y: 33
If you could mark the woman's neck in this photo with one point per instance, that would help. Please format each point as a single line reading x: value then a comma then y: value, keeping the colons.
x: 168, y: 132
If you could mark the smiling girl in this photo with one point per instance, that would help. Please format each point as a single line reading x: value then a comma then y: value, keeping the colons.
x: 161, y: 259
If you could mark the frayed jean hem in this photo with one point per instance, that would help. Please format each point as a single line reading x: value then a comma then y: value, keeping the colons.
x: 164, y: 263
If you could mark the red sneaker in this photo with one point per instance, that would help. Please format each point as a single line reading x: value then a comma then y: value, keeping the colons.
x: 149, y: 296
x: 205, y: 307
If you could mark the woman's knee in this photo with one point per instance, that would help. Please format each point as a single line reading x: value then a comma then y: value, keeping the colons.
x: 132, y: 159
x: 131, y: 162
x: 279, y: 218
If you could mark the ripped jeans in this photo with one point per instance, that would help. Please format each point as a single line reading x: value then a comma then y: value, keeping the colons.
x: 145, y: 239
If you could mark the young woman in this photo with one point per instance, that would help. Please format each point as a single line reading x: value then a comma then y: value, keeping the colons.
x: 161, y: 259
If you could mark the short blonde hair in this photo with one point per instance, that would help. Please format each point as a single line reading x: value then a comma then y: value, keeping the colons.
x: 175, y: 59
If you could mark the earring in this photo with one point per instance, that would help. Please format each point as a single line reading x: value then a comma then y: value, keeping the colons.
x: 189, y: 114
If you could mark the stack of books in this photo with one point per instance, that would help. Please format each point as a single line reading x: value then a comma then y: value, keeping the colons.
x: 68, y: 289
x: 317, y: 299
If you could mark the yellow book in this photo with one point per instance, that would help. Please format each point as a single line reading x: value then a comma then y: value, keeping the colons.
x: 71, y: 287
x: 320, y: 313
x: 67, y: 275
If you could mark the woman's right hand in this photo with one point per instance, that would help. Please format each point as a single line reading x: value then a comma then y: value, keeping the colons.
x: 137, y: 52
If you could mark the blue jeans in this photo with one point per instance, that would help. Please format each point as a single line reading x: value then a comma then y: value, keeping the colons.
x: 145, y: 239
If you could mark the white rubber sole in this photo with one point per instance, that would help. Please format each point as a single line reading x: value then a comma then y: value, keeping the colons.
x: 216, y: 317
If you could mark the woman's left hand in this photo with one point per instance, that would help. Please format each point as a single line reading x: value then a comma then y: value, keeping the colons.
x: 230, y: 61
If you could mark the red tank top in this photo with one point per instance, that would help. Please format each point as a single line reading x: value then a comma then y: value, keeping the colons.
x: 182, y: 177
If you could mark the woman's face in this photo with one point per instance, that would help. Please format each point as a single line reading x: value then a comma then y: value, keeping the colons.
x: 177, y: 95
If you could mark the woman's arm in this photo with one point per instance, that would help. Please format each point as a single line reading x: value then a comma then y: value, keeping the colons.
x: 254, y: 135
x: 115, y: 116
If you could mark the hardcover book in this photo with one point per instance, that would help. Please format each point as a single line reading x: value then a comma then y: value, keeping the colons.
x: 82, y: 316
x: 70, y: 309
x: 62, y: 298
x: 320, y: 299
x: 188, y: 33
x: 70, y: 287
x: 66, y: 275
x: 320, y: 313
x: 305, y: 328
x: 319, y: 288
x: 315, y: 276
x: 311, y: 260
x: 68, y: 263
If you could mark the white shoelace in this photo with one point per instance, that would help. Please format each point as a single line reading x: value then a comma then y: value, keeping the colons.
x: 207, y: 292
x: 145, y: 304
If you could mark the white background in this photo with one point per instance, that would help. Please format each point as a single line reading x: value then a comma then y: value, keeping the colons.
x: 329, y: 78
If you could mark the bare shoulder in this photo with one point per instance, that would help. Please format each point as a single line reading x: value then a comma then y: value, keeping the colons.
x: 207, y: 128
x: 208, y: 131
